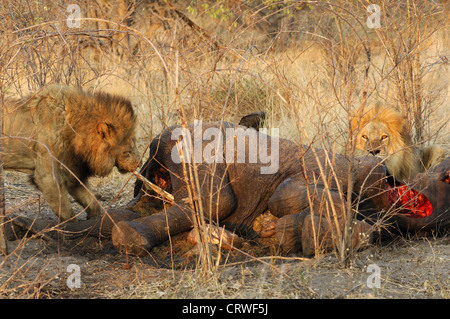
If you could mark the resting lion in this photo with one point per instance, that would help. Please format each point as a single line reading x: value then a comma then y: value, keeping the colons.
x: 61, y: 136
x: 384, y: 132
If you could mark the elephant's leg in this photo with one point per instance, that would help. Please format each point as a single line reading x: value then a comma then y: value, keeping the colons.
x: 140, y: 235
x: 290, y: 197
x: 310, y: 233
x: 293, y: 196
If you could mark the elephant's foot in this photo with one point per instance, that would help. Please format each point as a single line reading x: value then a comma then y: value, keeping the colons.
x: 133, y: 238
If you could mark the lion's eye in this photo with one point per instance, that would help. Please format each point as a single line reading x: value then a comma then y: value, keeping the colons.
x: 364, y: 137
x: 383, y: 137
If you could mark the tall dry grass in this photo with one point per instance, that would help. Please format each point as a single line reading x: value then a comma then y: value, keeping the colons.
x: 309, y: 65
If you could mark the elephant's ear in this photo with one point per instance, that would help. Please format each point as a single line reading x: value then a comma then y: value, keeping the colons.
x: 254, y: 120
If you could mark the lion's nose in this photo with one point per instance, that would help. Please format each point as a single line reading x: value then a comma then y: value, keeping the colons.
x: 374, y: 152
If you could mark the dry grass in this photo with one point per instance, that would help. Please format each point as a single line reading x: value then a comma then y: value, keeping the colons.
x: 307, y: 66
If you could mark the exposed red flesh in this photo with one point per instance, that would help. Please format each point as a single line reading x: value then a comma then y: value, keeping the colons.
x: 410, y: 202
x: 162, y: 179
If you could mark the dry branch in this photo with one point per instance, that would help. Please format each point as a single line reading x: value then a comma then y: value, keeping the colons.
x: 165, y: 195
x: 3, y: 240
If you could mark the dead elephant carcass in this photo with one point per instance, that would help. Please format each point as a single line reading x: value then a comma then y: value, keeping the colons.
x: 238, y: 174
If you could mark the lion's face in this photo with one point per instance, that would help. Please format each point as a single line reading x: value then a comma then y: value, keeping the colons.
x: 115, y: 147
x: 127, y: 159
x: 374, y: 138
x: 381, y: 131
x: 105, y: 138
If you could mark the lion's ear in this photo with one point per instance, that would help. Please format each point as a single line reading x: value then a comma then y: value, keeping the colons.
x: 104, y: 130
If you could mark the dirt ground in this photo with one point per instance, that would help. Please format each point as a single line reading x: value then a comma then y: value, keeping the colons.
x: 39, y: 267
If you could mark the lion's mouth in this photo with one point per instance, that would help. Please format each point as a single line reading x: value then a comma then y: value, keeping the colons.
x: 408, y: 202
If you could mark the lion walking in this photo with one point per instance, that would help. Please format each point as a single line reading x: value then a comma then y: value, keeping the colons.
x: 384, y: 132
x: 63, y: 135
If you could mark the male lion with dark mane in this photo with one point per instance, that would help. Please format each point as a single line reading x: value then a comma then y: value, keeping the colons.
x: 382, y: 131
x: 62, y: 135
